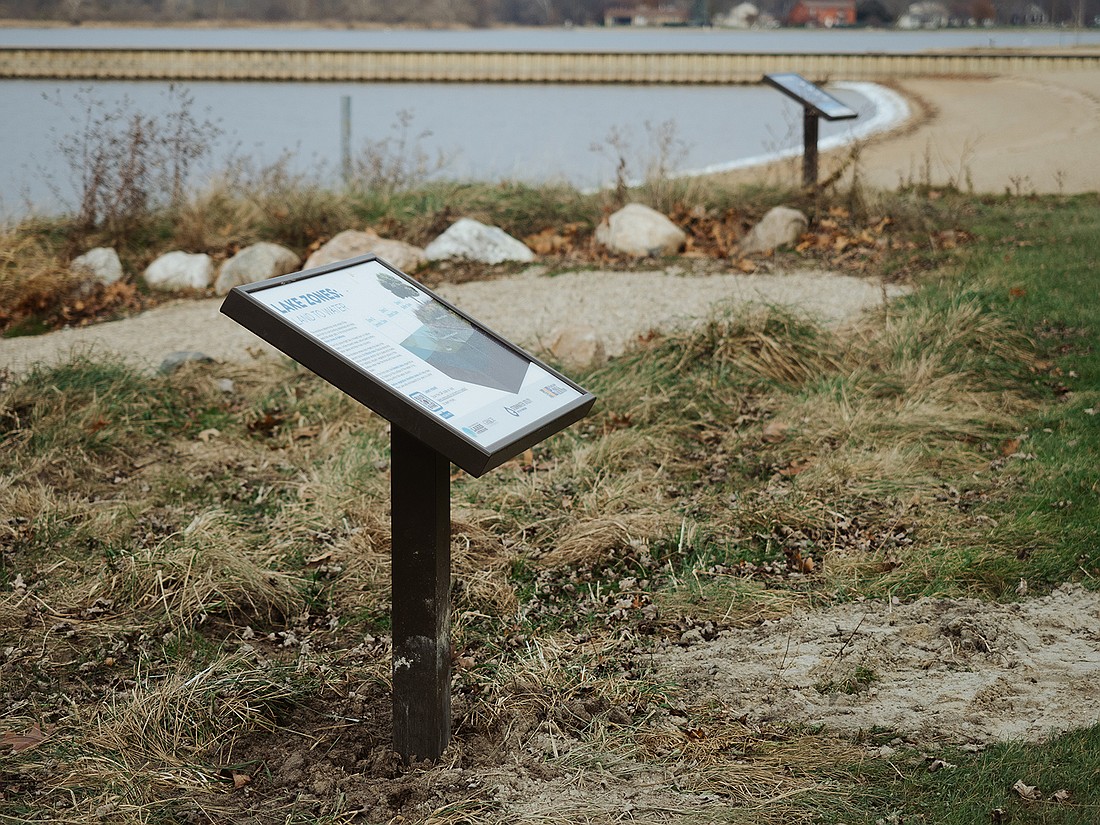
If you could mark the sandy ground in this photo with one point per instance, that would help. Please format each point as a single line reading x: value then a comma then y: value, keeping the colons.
x: 948, y: 671
x: 1024, y: 134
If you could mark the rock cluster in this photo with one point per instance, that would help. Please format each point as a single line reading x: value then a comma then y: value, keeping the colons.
x: 635, y: 230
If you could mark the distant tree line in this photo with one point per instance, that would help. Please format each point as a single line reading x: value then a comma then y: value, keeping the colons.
x: 481, y: 13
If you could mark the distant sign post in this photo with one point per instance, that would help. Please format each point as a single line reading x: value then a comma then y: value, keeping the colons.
x: 816, y: 103
x: 454, y: 392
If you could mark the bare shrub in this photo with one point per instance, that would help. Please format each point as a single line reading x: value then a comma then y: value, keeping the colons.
x: 124, y: 161
x: 651, y: 165
x: 398, y: 162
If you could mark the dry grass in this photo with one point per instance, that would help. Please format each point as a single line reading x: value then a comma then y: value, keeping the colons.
x: 208, y: 572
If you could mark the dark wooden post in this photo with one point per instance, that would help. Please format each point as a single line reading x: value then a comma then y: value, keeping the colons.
x: 420, y: 507
x: 809, y: 147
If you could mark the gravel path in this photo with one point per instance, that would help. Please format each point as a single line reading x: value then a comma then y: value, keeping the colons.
x: 525, y: 308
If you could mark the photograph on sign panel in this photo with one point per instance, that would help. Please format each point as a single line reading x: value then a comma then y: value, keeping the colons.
x: 454, y: 346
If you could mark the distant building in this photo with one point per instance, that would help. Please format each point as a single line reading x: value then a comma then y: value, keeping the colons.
x: 925, y: 15
x: 664, y: 14
x: 741, y: 16
x: 1025, y: 14
x: 823, y: 13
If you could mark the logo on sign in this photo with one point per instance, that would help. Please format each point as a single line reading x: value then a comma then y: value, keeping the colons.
x: 426, y: 402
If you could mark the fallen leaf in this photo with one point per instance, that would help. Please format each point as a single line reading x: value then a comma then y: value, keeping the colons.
x: 1026, y: 791
x: 774, y: 432
x: 241, y: 779
x: 206, y: 435
x: 797, y: 466
x: 1061, y: 796
x: 19, y: 742
x: 1010, y: 446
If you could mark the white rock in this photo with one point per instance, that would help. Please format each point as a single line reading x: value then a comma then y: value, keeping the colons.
x: 578, y: 345
x: 97, y: 266
x: 352, y: 243
x: 180, y: 270
x: 640, y: 231
x: 470, y: 239
x: 256, y: 263
x: 782, y: 226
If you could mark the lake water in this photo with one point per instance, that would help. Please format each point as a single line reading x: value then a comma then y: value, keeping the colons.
x: 486, y: 131
x: 597, y: 39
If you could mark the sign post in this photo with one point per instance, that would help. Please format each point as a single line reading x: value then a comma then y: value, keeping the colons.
x: 420, y: 574
x: 816, y: 103
x: 454, y: 392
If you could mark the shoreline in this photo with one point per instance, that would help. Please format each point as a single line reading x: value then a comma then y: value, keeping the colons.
x: 892, y: 112
x: 977, y: 135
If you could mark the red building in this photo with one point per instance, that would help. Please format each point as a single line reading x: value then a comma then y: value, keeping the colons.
x: 823, y: 13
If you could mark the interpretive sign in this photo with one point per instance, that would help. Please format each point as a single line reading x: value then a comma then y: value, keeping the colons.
x: 414, y: 359
x: 816, y: 102
x: 810, y: 96
x: 454, y: 392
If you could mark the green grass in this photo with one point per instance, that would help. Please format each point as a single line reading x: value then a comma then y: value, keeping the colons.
x: 977, y: 788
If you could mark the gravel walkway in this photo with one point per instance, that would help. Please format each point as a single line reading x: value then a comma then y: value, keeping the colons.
x: 525, y: 308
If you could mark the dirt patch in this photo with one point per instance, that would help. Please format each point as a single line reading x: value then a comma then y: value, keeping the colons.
x: 949, y: 671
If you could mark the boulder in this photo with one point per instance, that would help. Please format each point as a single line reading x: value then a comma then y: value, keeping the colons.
x: 474, y: 241
x: 578, y: 346
x: 353, y: 243
x: 256, y: 263
x: 640, y: 231
x: 782, y: 226
x: 97, y: 266
x: 180, y: 270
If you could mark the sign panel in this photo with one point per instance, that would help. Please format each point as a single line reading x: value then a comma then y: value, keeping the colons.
x: 814, y: 97
x: 401, y: 350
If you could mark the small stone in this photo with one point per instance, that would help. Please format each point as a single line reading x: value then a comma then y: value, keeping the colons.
x: 174, y: 271
x: 638, y: 230
x: 173, y: 361
x: 578, y: 346
x: 97, y: 266
x: 781, y: 226
x: 256, y: 263
x: 353, y: 243
x: 475, y: 241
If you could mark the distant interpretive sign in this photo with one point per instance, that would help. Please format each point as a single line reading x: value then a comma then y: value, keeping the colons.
x: 411, y: 357
x: 816, y: 103
x: 814, y: 97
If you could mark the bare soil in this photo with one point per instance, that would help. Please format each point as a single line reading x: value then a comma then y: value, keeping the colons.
x: 946, y: 671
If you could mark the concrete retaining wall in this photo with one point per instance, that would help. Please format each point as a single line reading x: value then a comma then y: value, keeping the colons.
x: 509, y: 67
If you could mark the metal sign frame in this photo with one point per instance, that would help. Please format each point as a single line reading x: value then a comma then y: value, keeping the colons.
x: 816, y: 103
x: 810, y: 96
x: 244, y: 305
